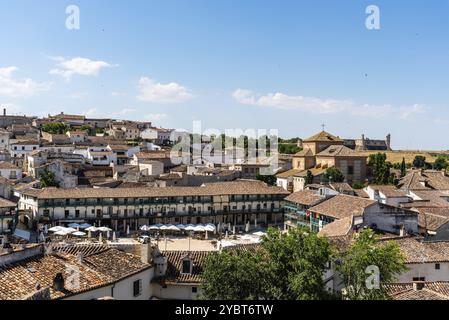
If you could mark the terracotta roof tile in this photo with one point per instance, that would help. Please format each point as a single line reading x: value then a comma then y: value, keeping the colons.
x: 322, y: 136
x: 342, y: 206
x: 305, y: 197
x: 337, y: 228
x: 220, y: 188
x: 429, y: 291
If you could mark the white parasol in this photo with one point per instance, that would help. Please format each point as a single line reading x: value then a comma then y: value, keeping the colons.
x: 104, y: 229
x: 56, y: 229
x: 173, y: 228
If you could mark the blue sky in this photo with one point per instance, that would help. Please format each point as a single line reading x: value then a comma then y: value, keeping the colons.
x: 287, y: 65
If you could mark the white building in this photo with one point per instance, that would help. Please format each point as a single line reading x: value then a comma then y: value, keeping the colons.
x: 77, y: 136
x: 20, y: 149
x: 158, y: 135
x: 129, y: 279
x: 151, y: 168
x: 10, y: 171
x: 97, y: 156
x: 387, y: 195
x: 177, y: 275
x: 426, y: 261
x: 4, y: 139
x: 7, y: 215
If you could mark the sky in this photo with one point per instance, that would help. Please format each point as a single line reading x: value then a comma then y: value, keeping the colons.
x: 247, y: 64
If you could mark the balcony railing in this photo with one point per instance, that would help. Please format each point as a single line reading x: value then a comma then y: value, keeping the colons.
x: 108, y: 215
x: 132, y: 202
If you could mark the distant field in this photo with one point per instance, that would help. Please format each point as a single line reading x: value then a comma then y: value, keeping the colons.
x: 396, y: 156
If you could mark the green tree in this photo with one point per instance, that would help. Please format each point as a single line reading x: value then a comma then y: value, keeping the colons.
x: 47, y: 179
x: 403, y: 168
x: 55, y: 128
x: 440, y: 163
x: 89, y: 129
x: 334, y: 174
x: 358, y: 185
x: 287, y: 266
x: 359, y: 266
x: 288, y: 148
x: 295, y: 264
x: 419, y: 162
x: 380, y: 168
x: 229, y: 275
x: 309, y: 178
x: 271, y: 180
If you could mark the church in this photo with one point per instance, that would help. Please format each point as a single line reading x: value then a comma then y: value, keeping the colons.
x: 324, y: 150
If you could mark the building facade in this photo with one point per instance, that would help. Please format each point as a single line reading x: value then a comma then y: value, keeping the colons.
x: 228, y: 202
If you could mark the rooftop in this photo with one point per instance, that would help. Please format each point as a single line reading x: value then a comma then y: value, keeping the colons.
x: 222, y: 188
x: 8, y: 165
x: 427, y: 291
x: 339, y: 151
x: 322, y: 136
x: 19, y: 279
x: 305, y: 197
x: 342, y: 206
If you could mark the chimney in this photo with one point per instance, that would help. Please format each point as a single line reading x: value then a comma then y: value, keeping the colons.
x: 58, y: 282
x: 146, y: 253
x: 160, y: 261
x: 80, y: 257
x: 388, y: 141
x: 4, y: 111
x: 418, y: 285
x: 402, y: 232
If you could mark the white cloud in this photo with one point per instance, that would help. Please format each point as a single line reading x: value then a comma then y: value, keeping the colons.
x: 123, y: 112
x: 78, y: 66
x: 407, y: 111
x: 152, y: 91
x: 12, y: 87
x: 11, y: 108
x: 92, y: 112
x: 441, y: 121
x: 78, y: 95
x: 156, y: 116
x: 117, y: 94
x: 323, y: 106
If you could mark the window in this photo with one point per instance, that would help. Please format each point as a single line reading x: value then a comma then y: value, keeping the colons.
x: 186, y: 266
x: 66, y: 213
x: 437, y: 266
x: 77, y: 213
x: 194, y: 289
x: 350, y: 169
x: 137, y: 288
x: 419, y: 279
